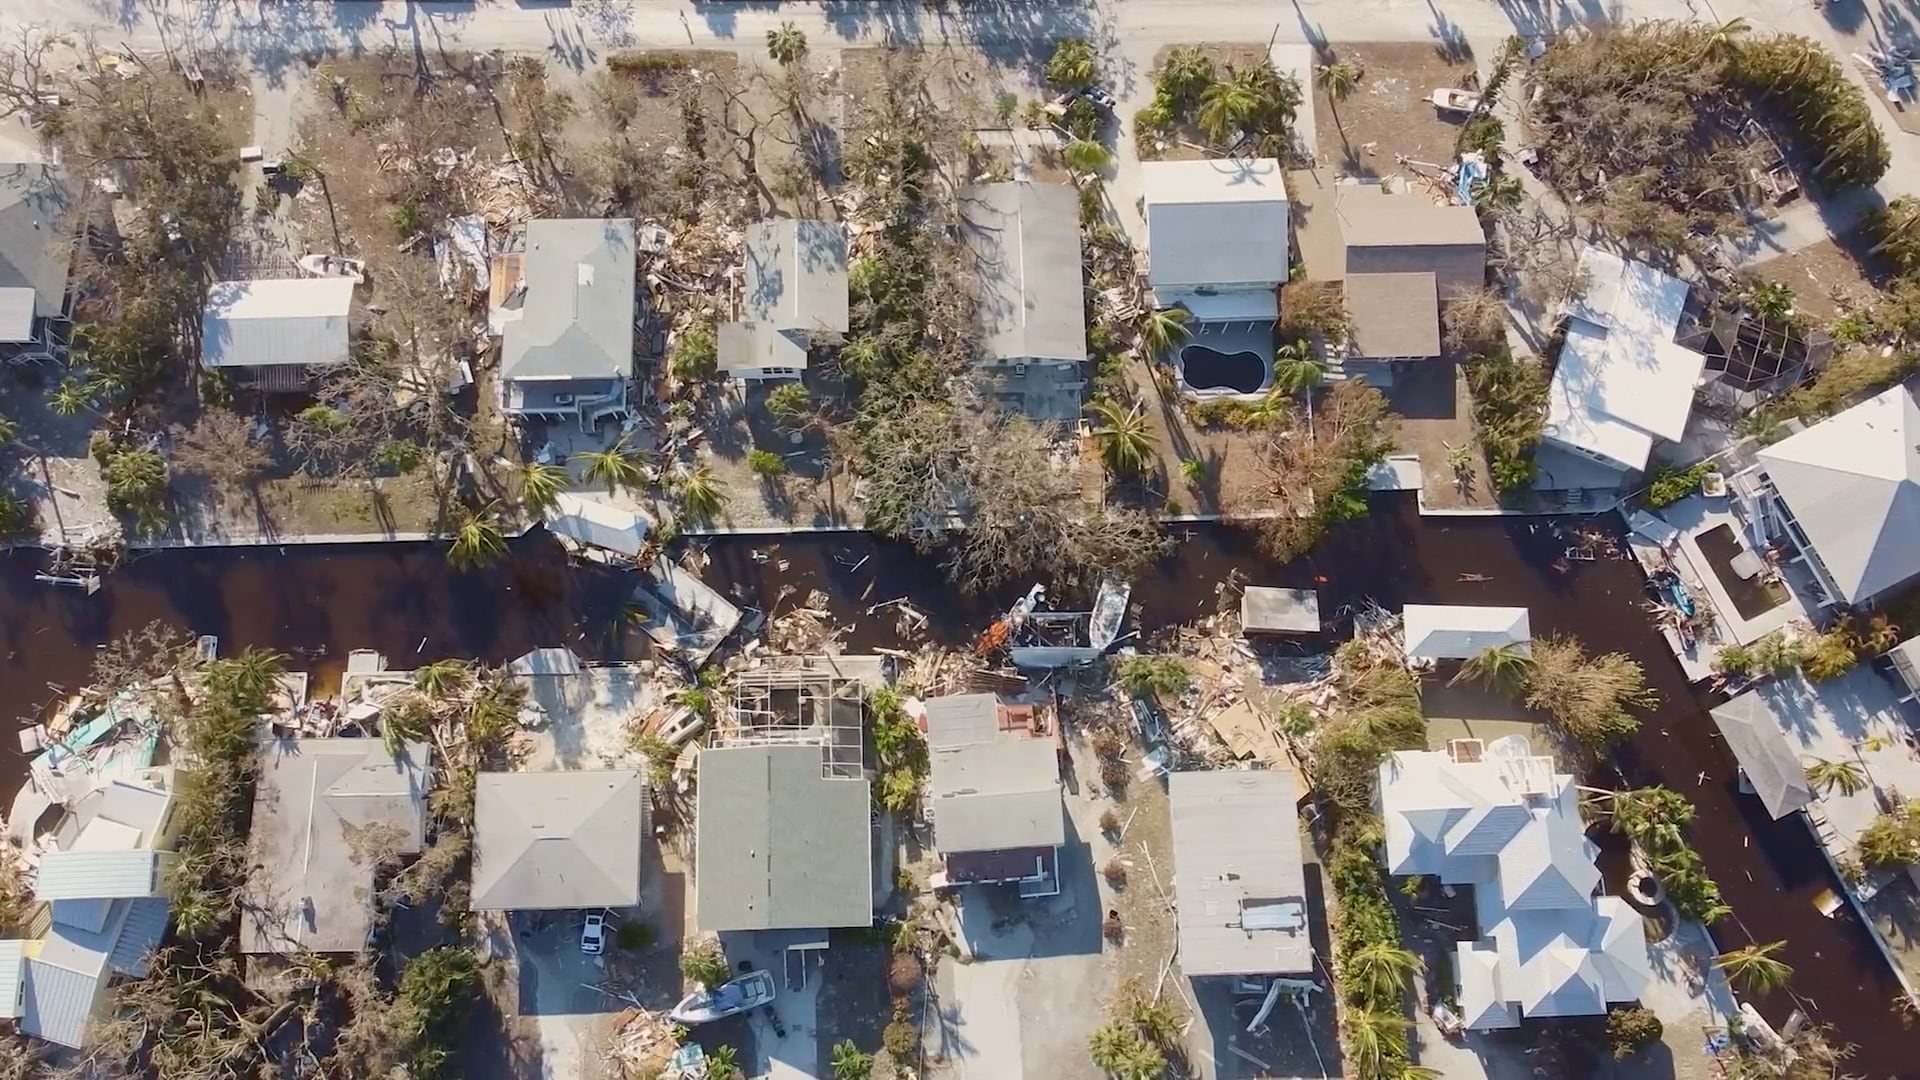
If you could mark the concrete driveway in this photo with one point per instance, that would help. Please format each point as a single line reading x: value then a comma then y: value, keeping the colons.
x: 556, y: 981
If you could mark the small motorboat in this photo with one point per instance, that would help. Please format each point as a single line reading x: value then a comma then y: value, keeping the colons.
x: 1452, y: 99
x: 749, y: 991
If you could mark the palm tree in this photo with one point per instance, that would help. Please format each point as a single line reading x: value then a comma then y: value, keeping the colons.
x: 1163, y: 328
x: 1499, y: 194
x: 863, y: 357
x: 1126, y: 440
x: 1295, y: 369
x: 1339, y: 81
x: 619, y: 465
x: 1502, y: 667
x: 1724, y: 40
x: 1226, y: 106
x: 1072, y: 65
x: 1756, y: 967
x: 1381, y: 969
x: 1826, y: 775
x: 849, y: 1063
x: 441, y: 677
x: 1898, y: 227
x: 723, y: 1063
x: 1374, y: 1038
x: 540, y: 485
x: 787, y: 45
x: 1771, y: 300
x: 71, y: 396
x: 1086, y: 156
x: 250, y: 678
x: 703, y: 496
x: 477, y: 542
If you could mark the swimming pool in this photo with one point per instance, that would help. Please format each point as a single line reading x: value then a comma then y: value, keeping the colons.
x: 1241, y: 372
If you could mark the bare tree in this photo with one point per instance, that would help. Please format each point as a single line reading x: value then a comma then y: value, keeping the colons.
x: 25, y: 83
x: 221, y: 447
x: 1474, y: 320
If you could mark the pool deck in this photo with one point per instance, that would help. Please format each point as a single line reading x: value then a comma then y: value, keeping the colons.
x: 1688, y: 518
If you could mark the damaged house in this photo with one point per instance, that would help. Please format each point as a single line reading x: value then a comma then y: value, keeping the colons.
x: 566, y: 349
x: 275, y: 335
x: 36, y: 256
x: 995, y: 793
x: 1238, y: 873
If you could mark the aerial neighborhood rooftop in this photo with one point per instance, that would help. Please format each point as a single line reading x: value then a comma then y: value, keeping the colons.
x: 595, y: 541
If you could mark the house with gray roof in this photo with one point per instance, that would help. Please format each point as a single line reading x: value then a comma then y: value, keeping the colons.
x: 544, y: 841
x: 36, y: 250
x: 326, y: 814
x: 793, y: 298
x: 995, y: 793
x: 567, y: 349
x: 1509, y: 825
x: 1846, y: 493
x: 105, y: 887
x: 276, y: 334
x: 783, y: 840
x: 1217, y: 236
x: 1770, y: 766
x: 1237, y: 873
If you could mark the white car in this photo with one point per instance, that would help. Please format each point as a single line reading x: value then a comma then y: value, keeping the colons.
x: 593, y: 936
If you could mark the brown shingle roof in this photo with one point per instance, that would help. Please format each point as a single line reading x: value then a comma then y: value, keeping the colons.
x: 1394, y: 315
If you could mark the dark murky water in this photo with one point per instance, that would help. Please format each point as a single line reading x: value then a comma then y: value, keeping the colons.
x: 401, y: 599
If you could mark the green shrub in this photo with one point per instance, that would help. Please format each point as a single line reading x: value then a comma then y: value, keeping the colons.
x: 401, y: 455
x: 137, y: 485
x: 407, y: 219
x: 1509, y: 413
x: 694, y: 356
x: 100, y: 446
x: 16, y: 514
x: 789, y: 404
x: 703, y: 962
x: 766, y: 463
x: 1670, y: 485
x: 1160, y: 676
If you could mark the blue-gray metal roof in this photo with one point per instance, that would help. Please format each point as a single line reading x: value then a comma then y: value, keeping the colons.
x: 577, y: 317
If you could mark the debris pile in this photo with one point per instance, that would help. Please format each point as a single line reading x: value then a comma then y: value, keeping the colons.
x: 641, y: 1043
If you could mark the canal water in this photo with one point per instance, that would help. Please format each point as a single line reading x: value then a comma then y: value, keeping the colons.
x: 316, y: 604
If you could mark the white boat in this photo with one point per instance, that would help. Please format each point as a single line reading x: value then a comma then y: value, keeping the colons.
x: 749, y: 991
x: 1454, y: 99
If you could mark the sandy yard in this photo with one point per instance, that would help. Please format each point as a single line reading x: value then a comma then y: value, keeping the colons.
x: 1388, y: 116
x: 1829, y: 278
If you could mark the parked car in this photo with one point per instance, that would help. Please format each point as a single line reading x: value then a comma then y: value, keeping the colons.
x: 1100, y: 98
x: 593, y: 936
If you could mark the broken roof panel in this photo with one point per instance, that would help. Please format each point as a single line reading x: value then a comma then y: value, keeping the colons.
x: 780, y: 844
x: 558, y: 839
x: 1284, y: 611
x: 1237, y: 873
x: 598, y: 523
x: 577, y: 318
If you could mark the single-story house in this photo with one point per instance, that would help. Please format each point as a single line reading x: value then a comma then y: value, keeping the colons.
x: 107, y: 895
x: 781, y: 843
x: 36, y: 249
x: 1510, y: 827
x: 1237, y: 873
x: 570, y: 350
x: 1846, y: 493
x: 557, y: 840
x: 1622, y: 383
x: 995, y: 794
x: 1462, y: 632
x: 794, y: 297
x: 1025, y: 242
x: 325, y: 812
x: 273, y: 334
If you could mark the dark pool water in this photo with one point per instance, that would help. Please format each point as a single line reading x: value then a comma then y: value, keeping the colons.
x: 1205, y: 369
x: 318, y: 604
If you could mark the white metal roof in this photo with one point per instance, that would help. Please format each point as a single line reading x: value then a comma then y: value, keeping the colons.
x: 1237, y: 865
x: 558, y: 839
x: 598, y: 523
x: 756, y: 346
x: 300, y: 321
x: 1461, y: 632
x: 16, y: 314
x: 1754, y: 735
x: 13, y: 966
x: 1511, y: 828
x: 1853, y: 484
x: 1622, y: 382
x: 1221, y: 222
x: 94, y: 875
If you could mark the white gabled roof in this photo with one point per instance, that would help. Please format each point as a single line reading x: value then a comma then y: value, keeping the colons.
x: 99, y: 875
x: 1459, y: 632
x: 1621, y: 382
x: 1511, y: 828
x: 1853, y: 484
